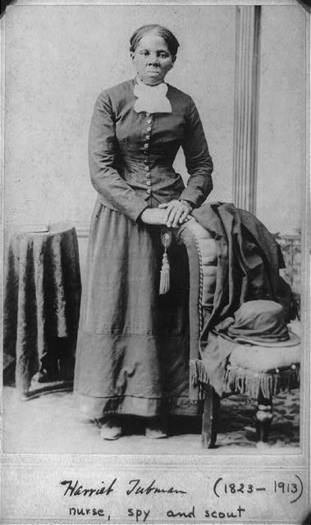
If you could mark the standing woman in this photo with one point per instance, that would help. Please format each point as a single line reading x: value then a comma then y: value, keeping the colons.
x: 132, y: 353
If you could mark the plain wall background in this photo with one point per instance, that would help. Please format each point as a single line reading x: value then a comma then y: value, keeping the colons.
x: 58, y: 58
x: 57, y: 61
x: 282, y: 118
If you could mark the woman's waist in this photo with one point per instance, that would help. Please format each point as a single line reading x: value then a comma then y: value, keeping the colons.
x: 145, y: 176
x: 143, y: 169
x: 153, y: 195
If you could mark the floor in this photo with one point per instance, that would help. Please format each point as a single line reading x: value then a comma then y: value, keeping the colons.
x: 51, y: 424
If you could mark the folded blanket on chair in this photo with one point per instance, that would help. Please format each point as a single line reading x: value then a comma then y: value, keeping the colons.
x: 248, y: 264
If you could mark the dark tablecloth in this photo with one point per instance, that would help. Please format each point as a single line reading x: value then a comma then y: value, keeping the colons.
x: 41, y: 305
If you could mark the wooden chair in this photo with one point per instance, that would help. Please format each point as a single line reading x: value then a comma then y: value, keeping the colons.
x: 259, y: 374
x: 250, y: 380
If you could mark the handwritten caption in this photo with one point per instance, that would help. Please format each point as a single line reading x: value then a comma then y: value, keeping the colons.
x: 290, y: 490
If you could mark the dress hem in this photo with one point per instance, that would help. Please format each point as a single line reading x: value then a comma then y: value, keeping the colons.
x: 97, y: 407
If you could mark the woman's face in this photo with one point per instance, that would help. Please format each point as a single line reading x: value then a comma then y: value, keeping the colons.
x: 152, y: 59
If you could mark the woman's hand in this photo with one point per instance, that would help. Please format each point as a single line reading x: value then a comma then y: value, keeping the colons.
x: 177, y: 212
x: 154, y: 216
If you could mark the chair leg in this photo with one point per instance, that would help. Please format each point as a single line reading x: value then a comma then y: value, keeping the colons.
x: 209, y: 418
x: 263, y: 418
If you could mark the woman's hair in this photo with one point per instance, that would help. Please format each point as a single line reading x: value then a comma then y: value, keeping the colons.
x: 166, y: 34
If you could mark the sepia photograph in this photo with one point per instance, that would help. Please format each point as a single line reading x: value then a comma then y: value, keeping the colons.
x: 156, y: 273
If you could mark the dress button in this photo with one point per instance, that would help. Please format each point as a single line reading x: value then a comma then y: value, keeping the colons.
x: 146, y: 145
x: 147, y: 137
x: 147, y: 168
x: 148, y: 182
x: 148, y: 128
x: 146, y: 161
x: 148, y: 191
x: 149, y: 120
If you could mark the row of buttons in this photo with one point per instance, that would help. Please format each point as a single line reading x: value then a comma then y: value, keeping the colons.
x: 146, y: 151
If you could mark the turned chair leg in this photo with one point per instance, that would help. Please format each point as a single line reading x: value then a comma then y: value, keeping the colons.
x: 263, y: 418
x: 209, y: 418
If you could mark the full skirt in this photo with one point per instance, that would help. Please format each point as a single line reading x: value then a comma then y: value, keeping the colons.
x: 133, y: 343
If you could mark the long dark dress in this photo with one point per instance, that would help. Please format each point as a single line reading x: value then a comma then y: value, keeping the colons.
x: 132, y: 352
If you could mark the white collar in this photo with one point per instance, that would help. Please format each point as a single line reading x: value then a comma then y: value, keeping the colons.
x: 151, y: 99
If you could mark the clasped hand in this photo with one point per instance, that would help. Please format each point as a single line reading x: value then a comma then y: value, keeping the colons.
x: 171, y: 214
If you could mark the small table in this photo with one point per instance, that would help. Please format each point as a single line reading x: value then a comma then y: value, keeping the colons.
x: 41, y: 307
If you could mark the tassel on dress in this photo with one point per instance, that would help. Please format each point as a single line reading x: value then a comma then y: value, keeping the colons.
x: 166, y: 239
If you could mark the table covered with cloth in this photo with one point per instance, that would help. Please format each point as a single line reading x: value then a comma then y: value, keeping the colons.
x: 41, y: 305
x: 233, y: 258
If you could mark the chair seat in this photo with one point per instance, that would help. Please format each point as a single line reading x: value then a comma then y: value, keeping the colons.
x: 264, y: 358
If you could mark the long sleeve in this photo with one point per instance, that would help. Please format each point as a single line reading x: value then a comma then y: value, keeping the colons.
x: 102, y: 162
x: 198, y: 160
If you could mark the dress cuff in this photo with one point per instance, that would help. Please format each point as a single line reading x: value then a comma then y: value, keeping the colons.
x: 189, y: 196
x: 139, y: 211
x: 187, y: 202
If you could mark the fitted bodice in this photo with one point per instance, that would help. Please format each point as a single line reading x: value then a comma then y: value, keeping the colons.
x: 147, y: 146
x: 132, y: 154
